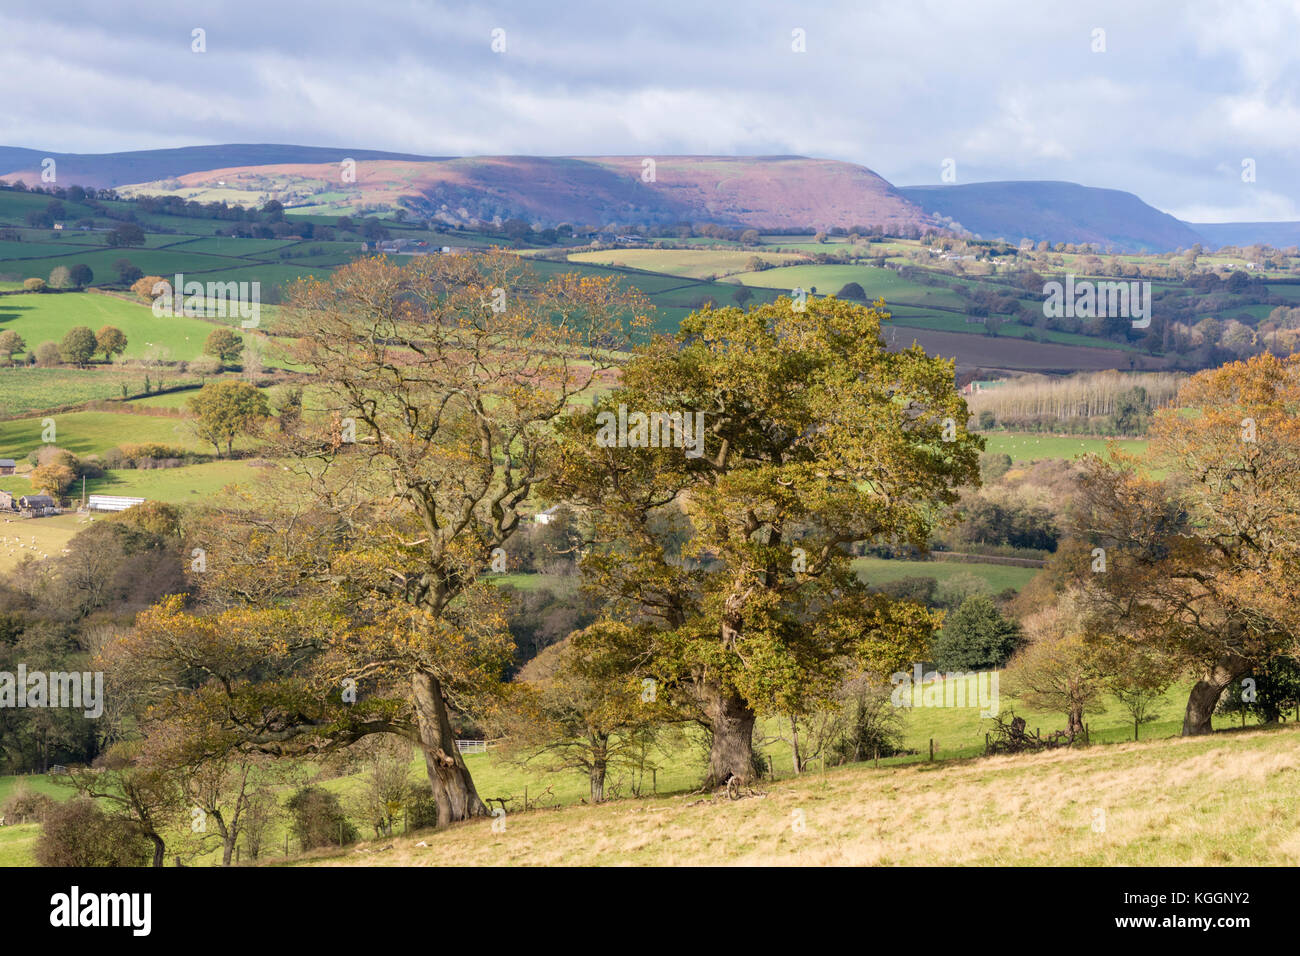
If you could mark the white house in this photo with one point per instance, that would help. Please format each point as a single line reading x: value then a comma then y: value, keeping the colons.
x: 547, y: 516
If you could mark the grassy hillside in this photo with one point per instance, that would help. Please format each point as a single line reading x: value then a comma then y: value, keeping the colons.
x: 1224, y: 800
x: 48, y: 317
x: 906, y: 783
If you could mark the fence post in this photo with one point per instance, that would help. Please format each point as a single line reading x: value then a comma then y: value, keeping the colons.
x: 931, y: 748
x: 654, y: 779
x: 986, y: 745
x: 286, y: 846
x: 525, y: 798
x: 877, y: 763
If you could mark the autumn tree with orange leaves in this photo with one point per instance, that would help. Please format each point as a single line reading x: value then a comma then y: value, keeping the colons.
x: 1195, y: 553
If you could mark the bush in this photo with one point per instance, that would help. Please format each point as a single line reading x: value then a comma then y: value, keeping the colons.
x: 976, y: 636
x: 25, y: 805
x: 143, y: 455
x: 34, y: 285
x: 319, y: 820
x: 78, y: 833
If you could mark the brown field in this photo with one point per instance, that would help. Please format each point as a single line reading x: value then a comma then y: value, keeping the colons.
x: 994, y: 353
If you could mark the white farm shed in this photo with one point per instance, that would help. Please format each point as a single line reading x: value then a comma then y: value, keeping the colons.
x: 112, y: 502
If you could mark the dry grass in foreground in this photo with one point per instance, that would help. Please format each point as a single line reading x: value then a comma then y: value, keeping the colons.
x: 1233, y: 799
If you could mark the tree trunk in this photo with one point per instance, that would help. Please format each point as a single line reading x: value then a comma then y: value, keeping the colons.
x: 1075, y: 728
x: 453, y: 789
x: 732, y: 751
x: 597, y: 775
x: 794, y: 744
x: 159, y: 849
x: 1207, y: 691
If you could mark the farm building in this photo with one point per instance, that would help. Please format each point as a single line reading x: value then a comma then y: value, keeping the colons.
x: 38, y: 506
x: 7, y: 501
x: 7, y: 466
x: 112, y: 502
x: 547, y: 516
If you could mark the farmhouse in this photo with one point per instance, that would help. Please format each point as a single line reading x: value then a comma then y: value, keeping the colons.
x: 7, y: 501
x: 38, y: 506
x: 7, y: 466
x: 112, y: 503
x: 547, y: 516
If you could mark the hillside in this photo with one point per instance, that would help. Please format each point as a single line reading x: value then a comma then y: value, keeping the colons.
x: 1222, y: 800
x: 117, y: 169
x: 1055, y: 212
x: 772, y: 192
x: 1279, y: 235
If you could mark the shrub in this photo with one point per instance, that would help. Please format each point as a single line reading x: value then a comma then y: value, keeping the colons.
x: 78, y: 833
x: 976, y: 636
x: 318, y: 819
x: 34, y: 285
x: 25, y: 805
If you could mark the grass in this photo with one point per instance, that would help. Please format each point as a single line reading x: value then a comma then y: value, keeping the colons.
x: 909, y: 782
x: 87, y: 433
x: 1221, y: 800
x: 187, y: 485
x: 1029, y: 447
x: 999, y: 577
x: 28, y: 390
x: 52, y: 536
x: 47, y: 317
x: 876, y: 283
x: 690, y: 263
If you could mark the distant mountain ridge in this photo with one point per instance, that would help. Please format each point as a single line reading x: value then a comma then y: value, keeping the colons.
x: 1279, y: 235
x: 1046, y: 210
x: 750, y: 191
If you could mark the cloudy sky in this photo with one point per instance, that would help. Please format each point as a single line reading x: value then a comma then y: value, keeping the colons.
x: 1178, y: 96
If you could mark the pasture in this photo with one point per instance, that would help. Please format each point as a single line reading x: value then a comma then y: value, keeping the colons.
x: 689, y: 263
x: 1030, y: 447
x: 48, y: 317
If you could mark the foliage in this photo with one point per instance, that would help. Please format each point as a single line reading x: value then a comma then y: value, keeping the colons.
x: 976, y: 636
x: 318, y: 819
x: 78, y: 833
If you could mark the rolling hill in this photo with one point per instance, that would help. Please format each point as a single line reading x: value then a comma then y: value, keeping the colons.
x: 764, y: 192
x: 1056, y: 212
x: 1279, y: 235
x: 758, y: 191
x: 103, y: 170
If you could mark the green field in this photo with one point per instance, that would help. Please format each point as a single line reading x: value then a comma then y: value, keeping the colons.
x: 876, y: 283
x: 1032, y: 447
x: 690, y: 263
x: 27, y: 390
x: 999, y: 577
x: 48, y: 317
x: 93, y: 433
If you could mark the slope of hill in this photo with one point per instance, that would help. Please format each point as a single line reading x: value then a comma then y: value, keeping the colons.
x: 1227, y: 799
x: 771, y: 192
x: 1055, y: 212
x: 762, y: 191
x: 103, y: 170
x: 1279, y: 235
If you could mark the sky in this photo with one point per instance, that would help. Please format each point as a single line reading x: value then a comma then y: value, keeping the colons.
x: 1193, y: 106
